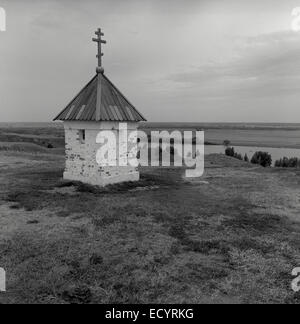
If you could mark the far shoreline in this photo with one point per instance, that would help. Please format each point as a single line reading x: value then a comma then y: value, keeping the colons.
x: 264, y: 135
x: 262, y: 145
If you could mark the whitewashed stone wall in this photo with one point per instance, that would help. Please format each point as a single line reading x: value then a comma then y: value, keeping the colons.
x: 81, y: 164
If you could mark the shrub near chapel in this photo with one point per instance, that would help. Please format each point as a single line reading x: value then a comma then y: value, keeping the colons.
x: 231, y: 152
x: 288, y: 163
x: 262, y: 158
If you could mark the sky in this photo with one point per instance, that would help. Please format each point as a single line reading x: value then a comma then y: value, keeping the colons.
x: 175, y: 60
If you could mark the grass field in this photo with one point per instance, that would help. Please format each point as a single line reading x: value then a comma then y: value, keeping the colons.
x: 232, y: 236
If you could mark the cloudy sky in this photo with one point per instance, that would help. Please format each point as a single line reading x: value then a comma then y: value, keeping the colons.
x: 192, y: 60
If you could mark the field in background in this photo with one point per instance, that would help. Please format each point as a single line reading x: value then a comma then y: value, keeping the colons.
x: 43, y: 138
x: 229, y: 237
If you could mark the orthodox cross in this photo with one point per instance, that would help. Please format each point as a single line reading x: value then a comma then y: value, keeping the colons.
x: 99, y: 40
x: 99, y: 71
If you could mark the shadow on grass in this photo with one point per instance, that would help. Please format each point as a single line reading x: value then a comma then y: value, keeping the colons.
x: 265, y: 223
x: 36, y: 194
x: 146, y: 181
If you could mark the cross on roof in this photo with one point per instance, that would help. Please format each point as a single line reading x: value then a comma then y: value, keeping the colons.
x: 100, y: 42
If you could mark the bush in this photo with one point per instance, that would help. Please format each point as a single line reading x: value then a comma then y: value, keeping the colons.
x: 262, y: 158
x: 226, y: 143
x: 238, y: 156
x: 246, y: 159
x: 230, y: 151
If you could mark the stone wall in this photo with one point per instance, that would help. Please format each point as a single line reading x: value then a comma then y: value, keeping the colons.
x: 81, y: 163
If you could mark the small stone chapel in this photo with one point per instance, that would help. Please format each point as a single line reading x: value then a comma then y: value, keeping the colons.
x: 98, y: 106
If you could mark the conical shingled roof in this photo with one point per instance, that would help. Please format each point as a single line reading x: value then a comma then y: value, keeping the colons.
x: 114, y: 105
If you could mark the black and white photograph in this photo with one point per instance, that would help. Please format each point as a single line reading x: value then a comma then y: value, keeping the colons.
x: 149, y: 154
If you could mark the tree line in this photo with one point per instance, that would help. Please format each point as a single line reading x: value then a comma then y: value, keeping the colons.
x: 264, y: 159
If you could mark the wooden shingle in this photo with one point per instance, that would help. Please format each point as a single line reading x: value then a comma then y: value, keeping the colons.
x: 114, y: 105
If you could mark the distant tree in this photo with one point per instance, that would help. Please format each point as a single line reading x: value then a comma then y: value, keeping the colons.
x: 172, y: 150
x: 285, y: 162
x: 288, y: 163
x: 230, y: 151
x: 238, y: 156
x: 293, y: 162
x: 262, y: 158
x: 226, y: 143
x: 246, y: 159
x: 278, y: 163
x: 50, y: 146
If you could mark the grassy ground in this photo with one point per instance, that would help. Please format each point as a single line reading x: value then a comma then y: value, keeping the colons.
x: 229, y: 237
